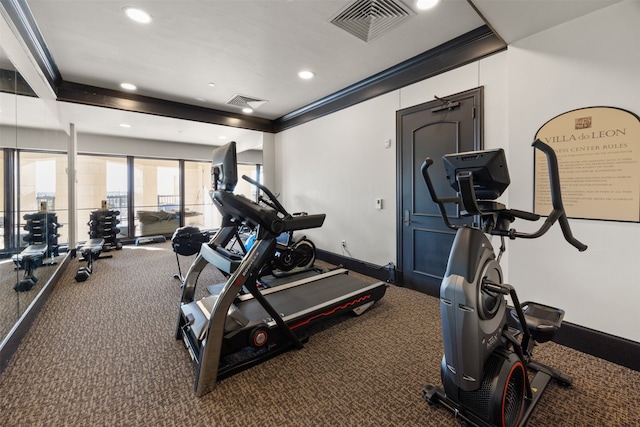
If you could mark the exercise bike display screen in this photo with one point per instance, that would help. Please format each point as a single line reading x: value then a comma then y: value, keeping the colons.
x: 488, y: 169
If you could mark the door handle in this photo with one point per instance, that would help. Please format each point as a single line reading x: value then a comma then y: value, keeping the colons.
x: 406, y: 219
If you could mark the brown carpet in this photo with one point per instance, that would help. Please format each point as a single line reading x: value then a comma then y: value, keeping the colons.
x: 102, y: 353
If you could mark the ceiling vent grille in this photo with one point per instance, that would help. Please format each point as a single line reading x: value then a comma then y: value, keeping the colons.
x: 369, y: 19
x: 243, y: 101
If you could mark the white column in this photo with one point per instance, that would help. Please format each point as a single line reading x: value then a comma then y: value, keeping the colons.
x: 72, y: 154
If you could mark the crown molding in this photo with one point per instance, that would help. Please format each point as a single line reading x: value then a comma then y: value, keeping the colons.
x: 469, y: 47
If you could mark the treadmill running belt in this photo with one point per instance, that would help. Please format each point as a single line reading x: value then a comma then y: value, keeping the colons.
x: 294, y: 302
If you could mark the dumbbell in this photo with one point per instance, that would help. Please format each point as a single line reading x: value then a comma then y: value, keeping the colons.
x: 83, y: 274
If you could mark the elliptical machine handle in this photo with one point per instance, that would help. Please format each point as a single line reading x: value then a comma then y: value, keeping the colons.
x: 273, y: 201
x: 438, y: 201
x: 566, y: 231
x: 558, y: 213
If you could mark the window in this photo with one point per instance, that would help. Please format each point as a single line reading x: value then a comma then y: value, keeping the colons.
x: 46, y: 184
x: 199, y: 210
x: 244, y: 187
x: 168, y: 188
x: 101, y: 178
x: 43, y: 186
x: 157, y: 191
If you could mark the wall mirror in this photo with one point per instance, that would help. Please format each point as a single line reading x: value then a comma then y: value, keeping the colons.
x: 33, y: 203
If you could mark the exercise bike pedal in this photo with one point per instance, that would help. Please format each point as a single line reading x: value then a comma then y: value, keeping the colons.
x: 542, y: 320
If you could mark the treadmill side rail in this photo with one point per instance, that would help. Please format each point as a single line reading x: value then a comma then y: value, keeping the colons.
x: 217, y: 327
x: 219, y: 260
x: 210, y: 340
x: 220, y: 329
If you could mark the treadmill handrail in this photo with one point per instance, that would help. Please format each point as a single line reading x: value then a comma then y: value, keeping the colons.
x: 273, y: 200
x: 303, y: 222
x: 240, y: 209
x: 245, y: 275
x: 292, y: 222
x: 207, y: 348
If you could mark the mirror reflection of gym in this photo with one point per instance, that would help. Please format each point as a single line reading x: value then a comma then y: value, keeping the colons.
x: 28, y: 253
x: 9, y: 310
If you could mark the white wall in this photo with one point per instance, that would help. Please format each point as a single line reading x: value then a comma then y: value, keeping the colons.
x: 28, y: 67
x: 591, y: 61
x: 111, y: 145
x: 338, y: 165
x: 268, y: 158
x: 345, y: 166
x: 57, y: 140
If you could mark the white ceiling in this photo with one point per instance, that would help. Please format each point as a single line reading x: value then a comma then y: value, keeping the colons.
x: 516, y: 19
x: 250, y: 47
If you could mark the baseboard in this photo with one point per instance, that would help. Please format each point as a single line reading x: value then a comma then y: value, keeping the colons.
x: 617, y: 350
x: 614, y: 349
x: 385, y: 273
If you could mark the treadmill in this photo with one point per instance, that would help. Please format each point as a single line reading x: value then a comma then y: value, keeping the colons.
x: 229, y: 331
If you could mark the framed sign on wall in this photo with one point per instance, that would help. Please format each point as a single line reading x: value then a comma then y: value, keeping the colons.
x: 598, y: 150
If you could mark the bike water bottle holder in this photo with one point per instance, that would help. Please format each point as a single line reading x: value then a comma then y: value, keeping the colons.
x: 542, y: 320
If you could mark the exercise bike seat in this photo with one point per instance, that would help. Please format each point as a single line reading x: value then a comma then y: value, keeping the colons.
x: 542, y: 320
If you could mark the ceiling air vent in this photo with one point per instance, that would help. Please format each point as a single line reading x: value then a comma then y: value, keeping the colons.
x: 243, y: 101
x: 369, y: 19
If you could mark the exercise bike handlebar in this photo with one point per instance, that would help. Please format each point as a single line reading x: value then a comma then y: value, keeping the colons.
x: 273, y: 201
x: 438, y: 201
x: 557, y: 214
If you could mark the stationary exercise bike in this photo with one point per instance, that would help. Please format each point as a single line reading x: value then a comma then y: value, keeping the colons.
x: 488, y: 346
x: 292, y: 255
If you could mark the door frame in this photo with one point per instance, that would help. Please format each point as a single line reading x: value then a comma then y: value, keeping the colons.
x: 478, y: 134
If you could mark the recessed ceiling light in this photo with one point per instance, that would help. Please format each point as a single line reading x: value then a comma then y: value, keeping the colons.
x: 212, y: 84
x: 125, y: 125
x: 426, y: 4
x: 200, y: 99
x: 247, y: 110
x: 137, y: 15
x: 128, y: 86
x: 222, y: 137
x: 306, y: 74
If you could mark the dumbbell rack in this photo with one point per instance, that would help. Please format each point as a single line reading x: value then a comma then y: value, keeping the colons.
x: 103, y: 225
x: 42, y: 228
